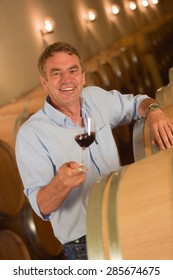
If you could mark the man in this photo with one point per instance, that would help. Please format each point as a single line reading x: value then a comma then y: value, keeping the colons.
x: 48, y: 156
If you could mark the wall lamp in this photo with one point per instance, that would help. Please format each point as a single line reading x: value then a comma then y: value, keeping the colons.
x: 48, y: 26
x: 132, y: 5
x: 91, y: 15
x: 155, y: 1
x: 115, y: 9
x: 145, y: 3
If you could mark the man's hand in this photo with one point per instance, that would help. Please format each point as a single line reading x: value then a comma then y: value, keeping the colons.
x: 161, y: 128
x: 51, y: 197
x: 70, y: 175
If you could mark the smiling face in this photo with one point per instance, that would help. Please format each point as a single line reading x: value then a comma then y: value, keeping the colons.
x: 63, y: 79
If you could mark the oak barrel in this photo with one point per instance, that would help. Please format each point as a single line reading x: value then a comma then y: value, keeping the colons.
x: 11, y: 189
x: 17, y: 215
x: 40, y: 237
x: 35, y: 233
x: 130, y: 212
x: 12, y: 246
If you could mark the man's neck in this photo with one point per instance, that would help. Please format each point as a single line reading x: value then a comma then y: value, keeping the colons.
x: 73, y: 111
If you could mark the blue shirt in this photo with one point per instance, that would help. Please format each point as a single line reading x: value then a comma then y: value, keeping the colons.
x: 46, y: 141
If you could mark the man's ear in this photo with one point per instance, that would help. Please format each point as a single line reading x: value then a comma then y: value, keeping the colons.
x: 43, y: 82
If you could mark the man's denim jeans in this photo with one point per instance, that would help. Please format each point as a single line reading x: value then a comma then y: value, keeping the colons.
x: 74, y: 251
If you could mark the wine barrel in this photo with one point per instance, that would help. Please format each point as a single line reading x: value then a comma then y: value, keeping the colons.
x: 35, y: 233
x: 11, y: 189
x: 130, y: 212
x: 39, y: 236
x: 17, y: 215
x: 12, y: 246
x: 142, y: 138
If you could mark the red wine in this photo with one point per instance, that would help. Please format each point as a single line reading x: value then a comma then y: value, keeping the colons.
x: 84, y: 140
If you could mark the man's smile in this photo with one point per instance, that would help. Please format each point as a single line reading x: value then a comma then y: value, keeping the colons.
x: 67, y: 88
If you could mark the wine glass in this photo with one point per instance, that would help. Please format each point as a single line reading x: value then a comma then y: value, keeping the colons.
x: 85, y: 136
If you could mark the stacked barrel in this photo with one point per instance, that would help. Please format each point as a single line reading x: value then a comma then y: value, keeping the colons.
x: 23, y: 235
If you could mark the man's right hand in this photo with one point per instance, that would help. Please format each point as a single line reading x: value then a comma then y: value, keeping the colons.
x: 51, y: 196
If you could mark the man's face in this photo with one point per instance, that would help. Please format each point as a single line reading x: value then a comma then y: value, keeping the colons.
x: 63, y: 79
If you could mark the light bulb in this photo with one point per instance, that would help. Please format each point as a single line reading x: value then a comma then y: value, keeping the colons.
x: 48, y: 25
x: 132, y: 5
x: 115, y: 9
x: 145, y: 3
x: 155, y: 1
x: 92, y: 15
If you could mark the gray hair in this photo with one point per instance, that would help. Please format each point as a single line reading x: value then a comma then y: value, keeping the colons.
x: 52, y: 49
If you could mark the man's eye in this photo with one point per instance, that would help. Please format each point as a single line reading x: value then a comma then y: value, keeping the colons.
x: 73, y: 70
x: 56, y: 73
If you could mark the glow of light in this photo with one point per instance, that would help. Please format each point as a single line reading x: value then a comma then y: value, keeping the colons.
x: 92, y: 15
x: 48, y: 25
x: 132, y: 5
x: 155, y: 1
x: 145, y: 3
x: 115, y: 9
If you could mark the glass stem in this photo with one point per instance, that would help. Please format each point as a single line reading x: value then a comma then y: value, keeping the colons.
x: 83, y: 156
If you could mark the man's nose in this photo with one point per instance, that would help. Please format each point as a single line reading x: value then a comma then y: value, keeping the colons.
x: 65, y: 75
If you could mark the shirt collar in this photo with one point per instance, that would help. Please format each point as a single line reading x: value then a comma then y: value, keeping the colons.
x: 53, y: 113
x: 60, y: 118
